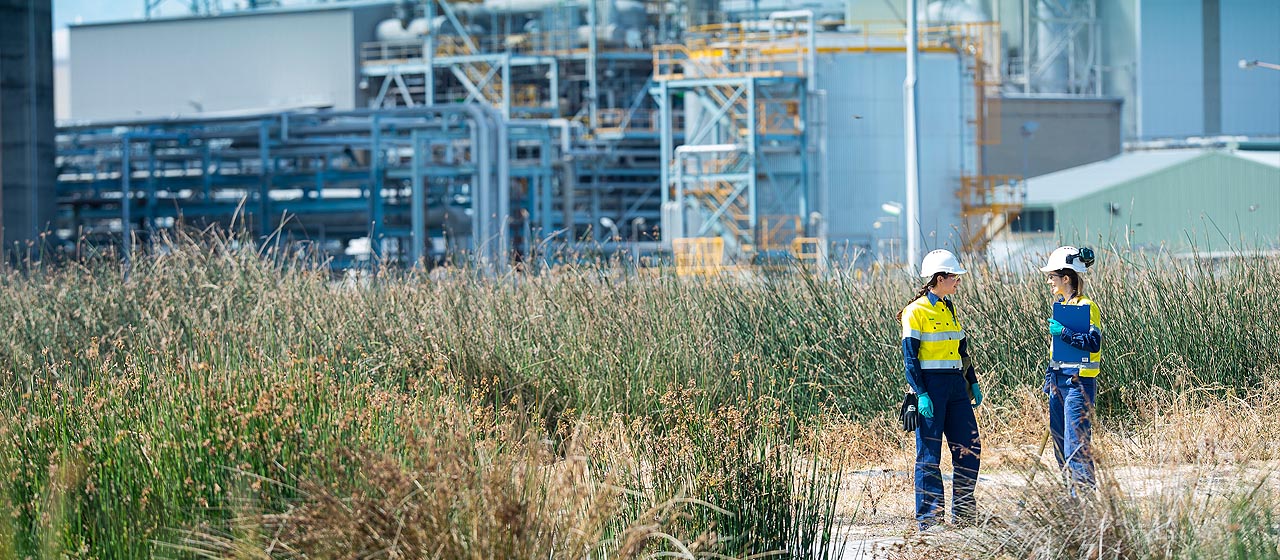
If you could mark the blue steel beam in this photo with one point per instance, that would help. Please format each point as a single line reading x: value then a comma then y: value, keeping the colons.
x: 282, y: 163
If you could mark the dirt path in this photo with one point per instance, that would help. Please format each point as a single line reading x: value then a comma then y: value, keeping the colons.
x: 874, y: 513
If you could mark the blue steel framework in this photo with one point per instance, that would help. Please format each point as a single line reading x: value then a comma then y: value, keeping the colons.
x: 608, y: 164
x: 508, y: 140
x: 409, y: 180
x: 527, y: 124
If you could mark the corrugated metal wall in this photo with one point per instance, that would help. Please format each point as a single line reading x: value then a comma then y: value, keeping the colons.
x: 1207, y: 201
x: 1250, y: 98
x: 1191, y: 82
x: 866, y: 143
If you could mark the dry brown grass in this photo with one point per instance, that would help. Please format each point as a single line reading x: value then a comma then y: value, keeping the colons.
x: 1187, y: 474
x: 271, y: 408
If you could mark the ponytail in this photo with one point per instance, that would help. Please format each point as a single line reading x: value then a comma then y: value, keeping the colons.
x: 1086, y: 257
x: 1077, y: 281
x: 923, y: 290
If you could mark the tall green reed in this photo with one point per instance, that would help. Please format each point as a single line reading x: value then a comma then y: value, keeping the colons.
x: 216, y: 359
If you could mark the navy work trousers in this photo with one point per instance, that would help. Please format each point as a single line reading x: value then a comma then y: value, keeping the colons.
x: 952, y: 417
x: 1071, y: 422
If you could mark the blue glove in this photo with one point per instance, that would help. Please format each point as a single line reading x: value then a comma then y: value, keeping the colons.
x: 925, y: 405
x: 1055, y: 328
x: 977, y: 395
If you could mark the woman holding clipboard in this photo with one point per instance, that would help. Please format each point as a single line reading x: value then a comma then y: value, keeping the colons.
x: 1074, y: 358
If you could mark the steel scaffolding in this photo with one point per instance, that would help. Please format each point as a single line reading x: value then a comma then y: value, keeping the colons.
x: 414, y: 183
x: 742, y: 172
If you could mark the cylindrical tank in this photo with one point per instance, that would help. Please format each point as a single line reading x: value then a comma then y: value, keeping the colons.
x: 1054, y: 77
x: 418, y: 27
x: 517, y: 6
x: 955, y: 11
x: 391, y: 29
x: 870, y: 169
x: 606, y: 35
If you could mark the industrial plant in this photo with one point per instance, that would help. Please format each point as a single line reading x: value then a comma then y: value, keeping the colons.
x: 694, y: 133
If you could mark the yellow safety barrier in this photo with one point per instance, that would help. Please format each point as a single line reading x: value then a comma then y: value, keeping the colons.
x: 808, y: 253
x: 698, y: 255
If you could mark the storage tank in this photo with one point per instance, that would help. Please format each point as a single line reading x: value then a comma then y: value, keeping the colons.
x: 866, y: 165
x: 391, y: 29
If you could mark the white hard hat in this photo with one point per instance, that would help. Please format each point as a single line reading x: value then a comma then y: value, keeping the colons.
x: 940, y: 260
x: 1066, y: 257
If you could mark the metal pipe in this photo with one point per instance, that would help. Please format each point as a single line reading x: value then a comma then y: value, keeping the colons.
x: 811, y: 57
x: 1137, y: 69
x: 151, y: 186
x: 504, y: 190
x: 823, y: 168
x: 665, y: 140
x: 477, y: 151
x: 484, y: 144
x: 592, y: 49
x: 912, y: 149
x: 126, y: 224
x: 506, y: 85
x: 264, y: 188
x: 418, y: 199
x: 375, y: 187
x: 480, y: 199
x: 565, y: 132
x: 679, y: 196
x: 428, y: 53
x: 753, y: 139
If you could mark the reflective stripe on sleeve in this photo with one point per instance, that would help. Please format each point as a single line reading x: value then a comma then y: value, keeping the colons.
x: 911, y: 333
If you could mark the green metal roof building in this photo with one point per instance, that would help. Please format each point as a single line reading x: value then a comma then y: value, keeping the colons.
x: 1203, y: 199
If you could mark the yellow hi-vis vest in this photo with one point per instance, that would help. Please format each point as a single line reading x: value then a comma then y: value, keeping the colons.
x: 939, y: 333
x: 1092, y: 368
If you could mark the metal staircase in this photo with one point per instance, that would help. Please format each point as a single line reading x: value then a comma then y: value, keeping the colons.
x: 743, y: 86
x: 988, y: 203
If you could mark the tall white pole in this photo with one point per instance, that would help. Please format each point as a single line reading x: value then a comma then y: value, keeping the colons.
x: 912, y: 217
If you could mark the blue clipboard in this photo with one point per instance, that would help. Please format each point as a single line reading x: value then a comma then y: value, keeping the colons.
x: 1076, y: 318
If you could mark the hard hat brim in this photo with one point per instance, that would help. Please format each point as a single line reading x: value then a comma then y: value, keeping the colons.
x: 924, y: 274
x: 1064, y: 267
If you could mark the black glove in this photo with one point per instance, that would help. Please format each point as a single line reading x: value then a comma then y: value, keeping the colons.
x: 908, y: 414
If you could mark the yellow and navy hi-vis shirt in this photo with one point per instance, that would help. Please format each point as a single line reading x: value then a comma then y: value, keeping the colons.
x: 1090, y: 341
x: 932, y: 340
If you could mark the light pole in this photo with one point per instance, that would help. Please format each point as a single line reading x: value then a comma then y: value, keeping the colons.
x: 913, y: 148
x: 892, y: 212
x: 1247, y: 64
